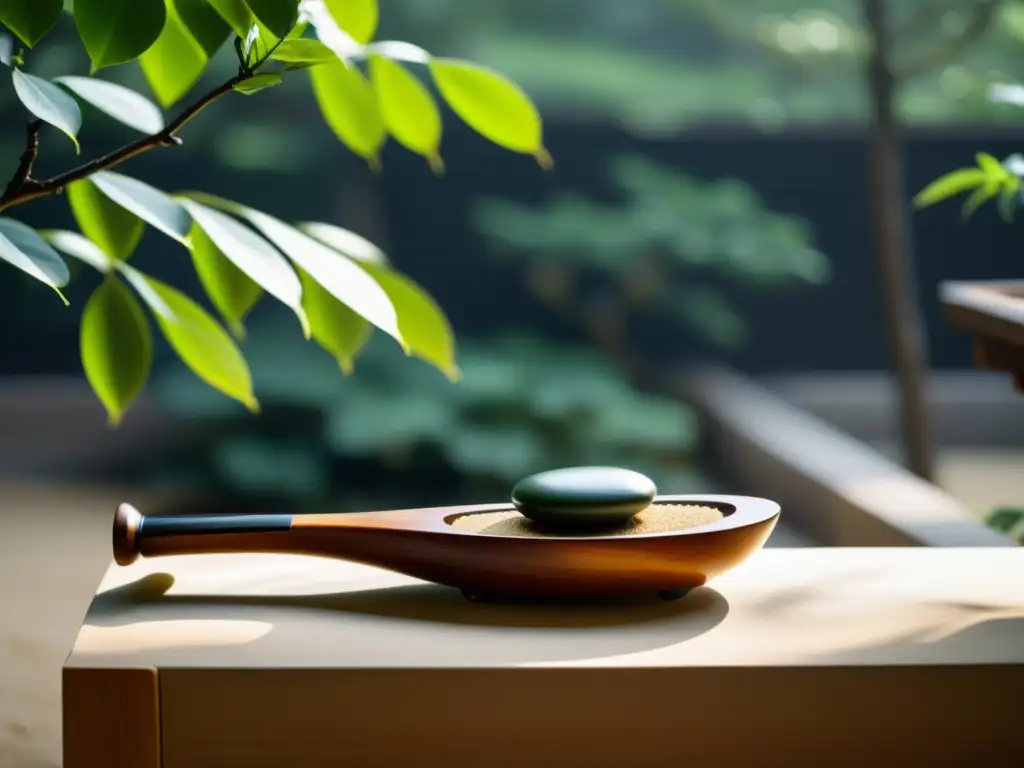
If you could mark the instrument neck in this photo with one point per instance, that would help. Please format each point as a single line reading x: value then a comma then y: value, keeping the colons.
x: 194, y: 534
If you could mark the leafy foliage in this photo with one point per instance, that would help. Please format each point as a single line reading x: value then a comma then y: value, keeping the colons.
x: 1008, y: 520
x: 333, y: 281
x: 600, y: 263
x: 659, y: 65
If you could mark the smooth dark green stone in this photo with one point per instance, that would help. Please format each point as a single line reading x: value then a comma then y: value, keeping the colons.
x: 583, y: 496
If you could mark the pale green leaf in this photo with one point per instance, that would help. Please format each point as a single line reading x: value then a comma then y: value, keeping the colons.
x: 349, y: 243
x: 340, y: 276
x: 252, y: 255
x: 203, y: 345
x: 148, y: 203
x: 492, y: 105
x: 250, y: 40
x: 949, y: 185
x: 116, y: 346
x: 141, y: 283
x: 981, y: 195
x: 123, y: 104
x: 232, y: 292
x: 424, y: 328
x: 356, y: 17
x: 115, y: 230
x: 328, y: 32
x: 349, y: 106
x: 335, y: 327
x: 235, y: 13
x: 409, y: 112
x: 116, y: 31
x: 78, y: 247
x: 304, y: 52
x: 49, y: 103
x: 399, y: 50
x: 257, y: 83
x: 204, y: 24
x: 30, y: 20
x: 23, y: 247
x: 175, y: 62
x: 990, y: 165
x: 6, y: 49
x: 278, y: 16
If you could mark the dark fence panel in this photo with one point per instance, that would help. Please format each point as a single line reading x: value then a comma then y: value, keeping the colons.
x: 817, y: 175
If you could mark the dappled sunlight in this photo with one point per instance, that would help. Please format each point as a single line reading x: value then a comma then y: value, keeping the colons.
x: 146, y: 636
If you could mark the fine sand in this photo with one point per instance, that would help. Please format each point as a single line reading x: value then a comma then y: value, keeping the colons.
x: 657, y: 518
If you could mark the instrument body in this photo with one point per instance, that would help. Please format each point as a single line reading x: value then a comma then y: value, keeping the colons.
x: 422, y: 543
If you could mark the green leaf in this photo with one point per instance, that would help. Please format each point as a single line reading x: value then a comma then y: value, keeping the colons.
x: 1005, y: 519
x: 949, y: 185
x: 340, y: 276
x: 981, y: 195
x: 203, y: 345
x: 79, y: 247
x: 409, y: 111
x: 148, y: 203
x: 141, y: 283
x: 276, y: 15
x: 492, y: 105
x: 257, y: 83
x: 349, y: 243
x: 49, y: 103
x: 30, y: 20
x: 123, y: 104
x: 116, y: 31
x: 992, y: 167
x: 424, y: 327
x: 304, y: 52
x: 252, y: 255
x: 356, y: 17
x: 116, y: 346
x: 349, y: 106
x: 204, y: 24
x: 115, y: 230
x: 232, y: 292
x: 23, y: 247
x: 335, y: 327
x: 235, y: 13
x: 175, y: 62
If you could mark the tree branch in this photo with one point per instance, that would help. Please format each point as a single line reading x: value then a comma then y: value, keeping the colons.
x: 980, y: 23
x: 22, y: 188
x: 23, y: 173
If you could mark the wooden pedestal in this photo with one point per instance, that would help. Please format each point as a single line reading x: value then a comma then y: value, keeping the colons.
x: 798, y: 657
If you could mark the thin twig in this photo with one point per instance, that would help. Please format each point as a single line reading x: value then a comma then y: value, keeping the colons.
x: 22, y: 191
x: 23, y: 173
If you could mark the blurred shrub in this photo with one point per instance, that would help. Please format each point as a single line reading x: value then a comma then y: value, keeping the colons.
x: 665, y: 247
x: 402, y: 436
x: 398, y: 433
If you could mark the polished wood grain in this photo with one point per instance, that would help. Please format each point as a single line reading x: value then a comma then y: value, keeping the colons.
x: 422, y: 543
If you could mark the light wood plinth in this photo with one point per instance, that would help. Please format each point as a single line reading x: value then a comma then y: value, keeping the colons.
x: 797, y: 657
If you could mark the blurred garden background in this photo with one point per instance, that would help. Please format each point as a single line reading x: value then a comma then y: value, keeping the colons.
x: 709, y: 201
